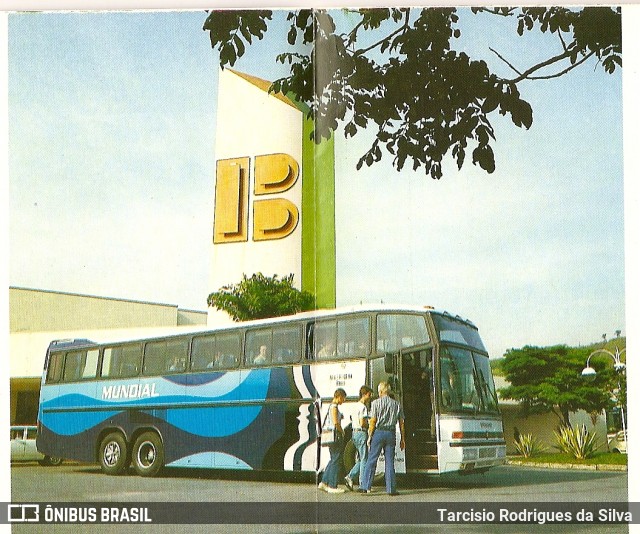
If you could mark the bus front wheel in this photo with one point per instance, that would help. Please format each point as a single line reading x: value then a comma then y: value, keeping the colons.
x: 113, y: 454
x: 148, y: 454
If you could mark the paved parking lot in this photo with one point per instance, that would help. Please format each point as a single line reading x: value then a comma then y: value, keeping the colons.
x: 84, y: 483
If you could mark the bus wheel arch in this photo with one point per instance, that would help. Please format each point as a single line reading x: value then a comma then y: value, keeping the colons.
x: 147, y: 453
x: 113, y: 453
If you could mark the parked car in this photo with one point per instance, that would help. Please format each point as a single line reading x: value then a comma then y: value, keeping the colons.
x: 23, y: 446
x: 618, y: 442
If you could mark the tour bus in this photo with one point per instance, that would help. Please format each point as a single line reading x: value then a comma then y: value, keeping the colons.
x: 252, y: 395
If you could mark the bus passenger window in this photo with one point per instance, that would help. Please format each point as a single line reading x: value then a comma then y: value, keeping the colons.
x: 177, y: 365
x: 166, y: 356
x: 353, y: 337
x: 54, y: 372
x: 228, y: 347
x: 121, y: 361
x: 203, y: 353
x: 258, y: 348
x: 286, y: 344
x: 215, y: 352
x: 397, y: 331
x: 72, y: 365
x: 91, y: 364
x: 324, y: 340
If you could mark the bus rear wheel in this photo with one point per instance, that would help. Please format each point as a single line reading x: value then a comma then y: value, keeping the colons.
x: 148, y: 454
x: 113, y: 454
x: 50, y: 461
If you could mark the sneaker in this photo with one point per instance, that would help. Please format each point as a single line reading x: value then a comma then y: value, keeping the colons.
x: 334, y: 490
x: 364, y: 491
x: 322, y: 486
x: 349, y: 483
x: 393, y: 494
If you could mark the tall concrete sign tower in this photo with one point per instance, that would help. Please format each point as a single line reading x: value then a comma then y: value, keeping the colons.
x: 274, y: 192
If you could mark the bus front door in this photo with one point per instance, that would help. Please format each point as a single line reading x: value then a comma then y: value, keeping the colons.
x: 416, y: 374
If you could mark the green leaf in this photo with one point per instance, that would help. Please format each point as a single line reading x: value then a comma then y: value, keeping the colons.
x: 239, y: 46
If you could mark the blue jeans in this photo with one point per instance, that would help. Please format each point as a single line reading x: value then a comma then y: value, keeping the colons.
x: 360, y: 441
x: 382, y: 439
x: 332, y: 471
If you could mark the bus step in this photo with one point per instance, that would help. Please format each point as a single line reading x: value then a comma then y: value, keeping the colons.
x: 421, y: 449
x: 422, y: 461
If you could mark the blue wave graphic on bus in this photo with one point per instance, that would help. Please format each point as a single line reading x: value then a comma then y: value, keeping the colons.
x: 195, y: 380
x: 213, y: 422
x: 211, y: 459
x: 70, y: 423
x: 197, y: 420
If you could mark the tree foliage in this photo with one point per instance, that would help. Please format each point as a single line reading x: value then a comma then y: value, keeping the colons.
x: 423, y: 98
x: 549, y: 380
x: 259, y: 297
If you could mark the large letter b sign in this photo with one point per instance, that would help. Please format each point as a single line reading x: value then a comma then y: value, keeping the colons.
x: 273, y: 218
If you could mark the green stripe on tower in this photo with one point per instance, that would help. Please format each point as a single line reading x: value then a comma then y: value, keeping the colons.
x: 318, y: 218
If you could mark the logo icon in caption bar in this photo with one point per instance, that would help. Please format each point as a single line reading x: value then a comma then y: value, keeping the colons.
x: 24, y: 513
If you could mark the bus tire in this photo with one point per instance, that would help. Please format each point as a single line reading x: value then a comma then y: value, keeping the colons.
x: 50, y: 460
x: 349, y: 456
x: 148, y: 454
x: 113, y: 454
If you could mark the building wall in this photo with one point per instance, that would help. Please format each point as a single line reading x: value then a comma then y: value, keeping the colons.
x: 33, y: 310
x: 191, y: 317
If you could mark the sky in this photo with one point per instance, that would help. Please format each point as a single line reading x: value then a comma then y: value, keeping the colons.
x: 111, y: 164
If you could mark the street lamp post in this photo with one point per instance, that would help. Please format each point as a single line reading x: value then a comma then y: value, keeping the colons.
x: 619, y: 366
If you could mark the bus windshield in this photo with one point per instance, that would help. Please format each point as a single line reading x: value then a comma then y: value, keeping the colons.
x: 456, y: 331
x: 466, y: 384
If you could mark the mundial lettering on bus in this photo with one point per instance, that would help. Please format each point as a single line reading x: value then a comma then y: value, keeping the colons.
x: 131, y: 391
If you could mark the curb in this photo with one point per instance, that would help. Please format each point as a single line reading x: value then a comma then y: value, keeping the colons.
x: 579, y: 467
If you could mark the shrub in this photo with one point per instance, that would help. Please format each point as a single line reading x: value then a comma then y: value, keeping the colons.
x: 529, y: 446
x: 577, y: 441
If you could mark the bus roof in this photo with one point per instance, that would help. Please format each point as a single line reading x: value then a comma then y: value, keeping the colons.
x: 65, y: 344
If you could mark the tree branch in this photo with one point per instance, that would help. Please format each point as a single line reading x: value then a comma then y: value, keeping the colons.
x: 564, y: 45
x: 497, y: 11
x: 402, y: 28
x: 509, y: 64
x: 526, y: 74
x: 558, y: 74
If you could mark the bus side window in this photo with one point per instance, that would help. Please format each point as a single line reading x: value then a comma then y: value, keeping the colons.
x: 54, y: 372
x: 286, y: 344
x: 168, y: 356
x: 72, y: 365
x: 121, y: 361
x: 228, y: 348
x: 203, y: 353
x: 90, y: 364
x: 353, y: 337
x: 258, y: 347
x: 131, y: 360
x: 324, y: 340
x: 215, y: 352
x: 308, y: 347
